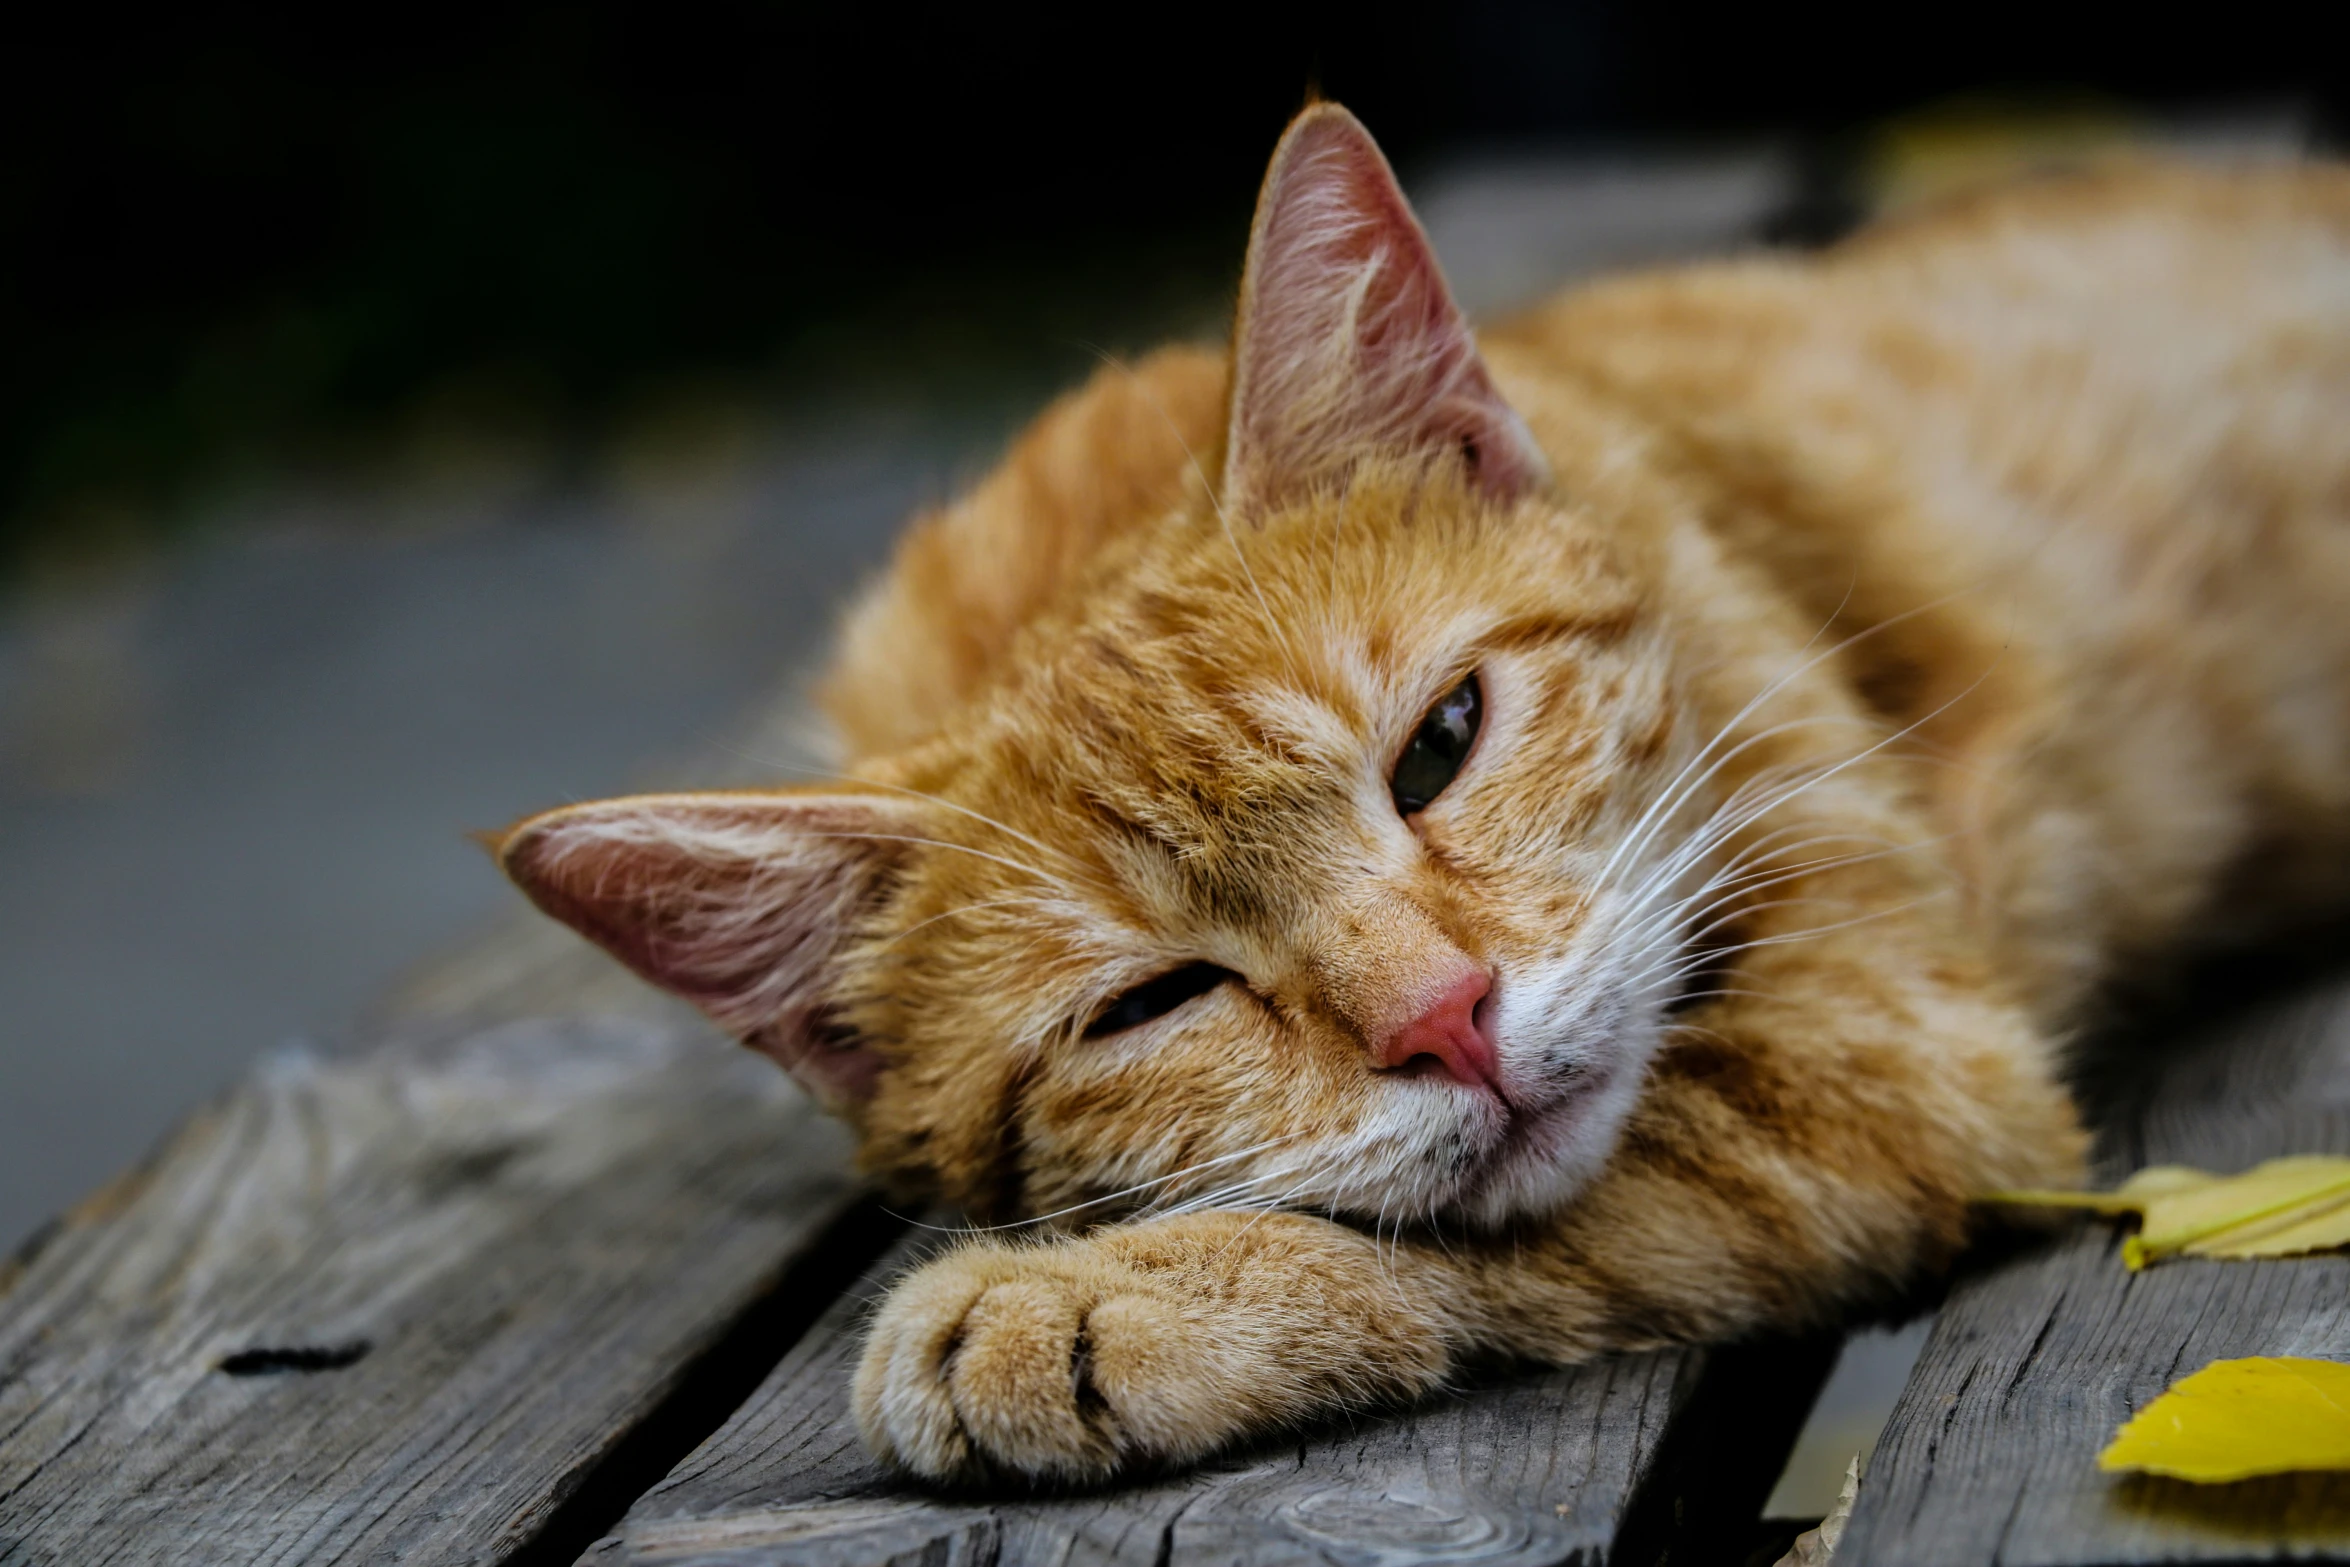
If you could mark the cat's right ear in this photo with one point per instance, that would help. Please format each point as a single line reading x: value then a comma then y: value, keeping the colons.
x: 737, y: 902
x: 1348, y: 340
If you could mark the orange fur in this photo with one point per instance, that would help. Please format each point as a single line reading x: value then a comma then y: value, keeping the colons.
x: 1935, y: 628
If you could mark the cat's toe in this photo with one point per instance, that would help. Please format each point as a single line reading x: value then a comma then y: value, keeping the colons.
x: 1155, y: 1383
x: 900, y: 1394
x: 975, y: 1367
x: 1022, y: 1383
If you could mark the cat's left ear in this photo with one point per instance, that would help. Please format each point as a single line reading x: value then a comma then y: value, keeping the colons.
x: 1348, y: 342
x: 740, y: 903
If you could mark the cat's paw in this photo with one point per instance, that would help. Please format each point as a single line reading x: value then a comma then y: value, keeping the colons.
x: 1049, y: 1362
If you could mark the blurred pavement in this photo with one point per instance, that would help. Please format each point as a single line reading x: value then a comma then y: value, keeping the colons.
x: 235, y: 780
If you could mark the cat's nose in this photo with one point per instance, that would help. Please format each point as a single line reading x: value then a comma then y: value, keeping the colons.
x: 1446, y: 1037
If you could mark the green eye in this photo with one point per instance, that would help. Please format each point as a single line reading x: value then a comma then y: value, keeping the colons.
x: 1438, y: 748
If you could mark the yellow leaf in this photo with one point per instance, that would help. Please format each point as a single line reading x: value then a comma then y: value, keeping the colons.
x: 2278, y: 1209
x: 2235, y: 1419
x: 2319, y: 1226
x: 2177, y: 1217
x: 2129, y: 1197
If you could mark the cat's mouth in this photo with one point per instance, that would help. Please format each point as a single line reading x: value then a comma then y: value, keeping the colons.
x: 1536, y: 1131
x: 1557, y: 1110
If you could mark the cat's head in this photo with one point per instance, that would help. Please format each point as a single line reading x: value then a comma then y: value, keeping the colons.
x: 1294, y: 856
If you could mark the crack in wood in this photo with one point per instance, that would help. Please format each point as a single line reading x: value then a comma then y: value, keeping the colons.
x: 298, y: 1358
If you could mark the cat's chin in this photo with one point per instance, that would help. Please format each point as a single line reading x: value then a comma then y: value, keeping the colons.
x: 1557, y: 1137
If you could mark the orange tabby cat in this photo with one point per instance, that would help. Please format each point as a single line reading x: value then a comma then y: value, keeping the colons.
x: 1405, y: 846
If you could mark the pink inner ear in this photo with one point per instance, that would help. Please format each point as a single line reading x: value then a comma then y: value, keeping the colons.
x: 735, y: 902
x: 1348, y: 341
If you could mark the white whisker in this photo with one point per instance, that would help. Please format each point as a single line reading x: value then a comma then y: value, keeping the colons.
x: 1109, y: 1197
x: 1675, y: 794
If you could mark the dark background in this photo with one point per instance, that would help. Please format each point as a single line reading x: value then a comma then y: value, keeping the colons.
x: 237, y: 239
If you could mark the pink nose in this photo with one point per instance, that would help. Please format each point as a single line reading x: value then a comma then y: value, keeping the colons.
x: 1448, y: 1036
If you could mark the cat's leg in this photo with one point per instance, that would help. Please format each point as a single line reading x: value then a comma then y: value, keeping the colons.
x: 1147, y: 1343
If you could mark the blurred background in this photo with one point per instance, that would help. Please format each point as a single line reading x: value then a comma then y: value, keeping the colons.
x: 416, y: 417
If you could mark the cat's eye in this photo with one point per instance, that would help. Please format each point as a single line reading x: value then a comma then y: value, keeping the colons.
x: 1155, y: 998
x: 1438, y: 748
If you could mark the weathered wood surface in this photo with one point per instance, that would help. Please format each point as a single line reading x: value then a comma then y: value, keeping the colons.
x: 394, y: 1307
x: 1616, y: 1461
x: 1990, y: 1456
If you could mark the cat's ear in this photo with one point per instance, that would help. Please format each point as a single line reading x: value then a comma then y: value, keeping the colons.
x: 1348, y: 341
x: 737, y: 902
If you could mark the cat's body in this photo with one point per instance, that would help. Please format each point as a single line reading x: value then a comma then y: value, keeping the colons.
x: 1866, y: 659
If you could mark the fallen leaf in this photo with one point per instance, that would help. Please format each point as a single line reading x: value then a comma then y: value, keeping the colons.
x: 1815, y: 1547
x: 2317, y: 1227
x: 2235, y: 1419
x: 2281, y: 1208
x: 2280, y: 1189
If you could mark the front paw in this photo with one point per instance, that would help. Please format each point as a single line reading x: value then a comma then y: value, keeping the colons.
x: 1046, y: 1362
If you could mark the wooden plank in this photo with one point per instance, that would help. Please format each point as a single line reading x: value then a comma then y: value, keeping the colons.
x: 1615, y: 1461
x: 399, y: 1306
x: 1990, y: 1455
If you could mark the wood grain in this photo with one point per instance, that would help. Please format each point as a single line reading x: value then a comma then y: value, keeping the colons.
x: 393, y: 1307
x: 1990, y: 1456
x: 1614, y: 1461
